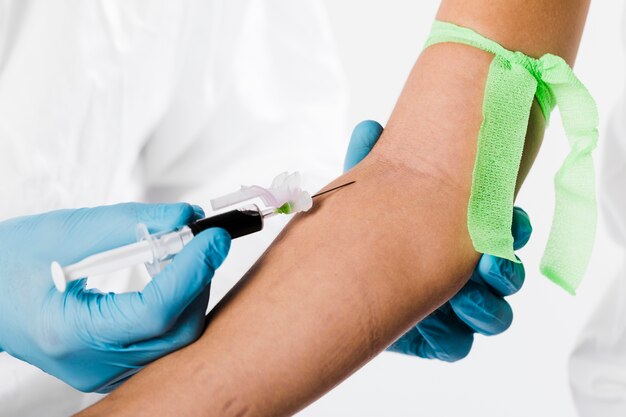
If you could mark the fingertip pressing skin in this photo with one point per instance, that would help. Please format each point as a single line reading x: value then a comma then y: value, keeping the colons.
x: 521, y: 229
x: 364, y: 137
x: 504, y: 276
x: 368, y: 131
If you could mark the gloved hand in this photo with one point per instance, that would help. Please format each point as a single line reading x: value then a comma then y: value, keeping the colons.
x: 448, y: 333
x: 88, y: 339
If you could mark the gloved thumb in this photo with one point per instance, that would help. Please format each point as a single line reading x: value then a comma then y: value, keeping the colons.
x: 521, y: 228
x: 165, y: 298
x: 364, y: 137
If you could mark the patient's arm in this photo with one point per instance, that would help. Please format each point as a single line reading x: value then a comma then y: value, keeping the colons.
x: 343, y: 282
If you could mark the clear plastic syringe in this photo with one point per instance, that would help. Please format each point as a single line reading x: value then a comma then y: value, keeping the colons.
x: 154, y: 250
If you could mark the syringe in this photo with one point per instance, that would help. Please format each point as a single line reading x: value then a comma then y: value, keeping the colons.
x: 156, y: 250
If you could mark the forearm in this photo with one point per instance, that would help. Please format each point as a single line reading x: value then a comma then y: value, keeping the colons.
x: 344, y: 281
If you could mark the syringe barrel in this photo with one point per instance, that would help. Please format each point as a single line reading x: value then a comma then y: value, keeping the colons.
x: 163, y: 246
x: 158, y: 249
x: 167, y: 245
x: 237, y: 223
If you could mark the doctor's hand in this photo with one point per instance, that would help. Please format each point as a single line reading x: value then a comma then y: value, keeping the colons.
x: 479, y: 307
x: 90, y: 340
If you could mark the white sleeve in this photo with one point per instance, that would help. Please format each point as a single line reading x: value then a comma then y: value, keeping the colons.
x: 597, y: 366
x: 612, y: 197
x: 598, y: 363
x: 263, y: 93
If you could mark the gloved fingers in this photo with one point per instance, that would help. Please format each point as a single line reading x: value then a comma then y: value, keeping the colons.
x: 155, y: 310
x: 503, y: 276
x: 110, y: 386
x: 441, y: 335
x: 521, y: 228
x: 412, y: 343
x: 364, y: 137
x: 481, y: 309
x: 91, y: 230
x: 447, y: 337
x: 126, y: 360
x: 187, y: 329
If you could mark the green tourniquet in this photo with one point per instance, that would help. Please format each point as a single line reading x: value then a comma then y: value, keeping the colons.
x: 513, y: 81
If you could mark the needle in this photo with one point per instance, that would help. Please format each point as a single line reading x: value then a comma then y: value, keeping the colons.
x: 333, y: 189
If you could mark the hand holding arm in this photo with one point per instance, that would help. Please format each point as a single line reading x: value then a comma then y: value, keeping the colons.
x: 479, y: 307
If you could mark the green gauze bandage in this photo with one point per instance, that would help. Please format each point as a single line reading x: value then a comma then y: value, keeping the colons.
x: 514, y: 80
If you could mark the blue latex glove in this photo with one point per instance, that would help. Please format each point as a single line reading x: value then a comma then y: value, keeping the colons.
x: 90, y: 340
x: 448, y: 333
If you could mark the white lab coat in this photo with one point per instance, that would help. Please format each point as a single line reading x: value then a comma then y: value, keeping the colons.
x: 597, y: 366
x: 110, y: 101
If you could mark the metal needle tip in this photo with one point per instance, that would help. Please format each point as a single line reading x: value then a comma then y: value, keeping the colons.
x: 333, y: 189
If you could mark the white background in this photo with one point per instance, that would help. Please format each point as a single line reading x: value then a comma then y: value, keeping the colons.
x: 524, y: 371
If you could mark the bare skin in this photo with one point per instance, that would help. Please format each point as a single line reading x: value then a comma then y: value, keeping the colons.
x: 342, y: 283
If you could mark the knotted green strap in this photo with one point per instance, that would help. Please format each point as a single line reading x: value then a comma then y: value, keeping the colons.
x: 513, y: 81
